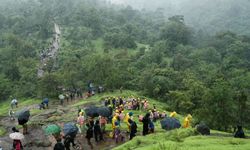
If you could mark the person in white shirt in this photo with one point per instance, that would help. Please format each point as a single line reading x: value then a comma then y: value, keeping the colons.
x: 13, y: 103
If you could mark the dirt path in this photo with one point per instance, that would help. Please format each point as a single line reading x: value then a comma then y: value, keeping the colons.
x: 50, y: 53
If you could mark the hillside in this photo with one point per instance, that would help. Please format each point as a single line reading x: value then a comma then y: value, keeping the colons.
x: 176, y: 139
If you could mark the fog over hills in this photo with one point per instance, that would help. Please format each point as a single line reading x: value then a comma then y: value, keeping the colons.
x: 209, y: 15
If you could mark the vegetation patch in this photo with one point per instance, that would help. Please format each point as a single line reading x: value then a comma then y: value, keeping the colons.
x: 2, y: 131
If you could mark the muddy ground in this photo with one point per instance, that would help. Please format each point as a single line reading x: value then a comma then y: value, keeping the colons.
x: 36, y: 138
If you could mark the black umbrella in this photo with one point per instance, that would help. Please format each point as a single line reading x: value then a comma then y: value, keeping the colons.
x: 170, y: 123
x: 70, y: 129
x: 104, y: 111
x: 23, y: 114
x: 203, y: 129
x: 92, y: 111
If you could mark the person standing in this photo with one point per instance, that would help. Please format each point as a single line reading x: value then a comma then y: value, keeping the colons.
x: 89, y: 134
x: 97, y: 132
x: 46, y: 102
x: 145, y: 122
x: 17, y: 145
x: 69, y: 139
x: 13, y: 103
x: 61, y: 98
x: 80, y: 120
x: 187, y: 121
x: 11, y: 114
x: 59, y: 145
x: 127, y: 117
x: 239, y: 133
x: 133, y: 129
x: 103, y: 123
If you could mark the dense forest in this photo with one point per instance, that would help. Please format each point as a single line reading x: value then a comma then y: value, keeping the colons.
x: 116, y: 46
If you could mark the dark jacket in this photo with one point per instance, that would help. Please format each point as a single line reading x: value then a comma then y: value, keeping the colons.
x: 69, y: 139
x: 239, y: 133
x: 59, y: 146
x: 133, y: 127
x: 145, y: 122
x: 89, y: 133
x: 97, y: 129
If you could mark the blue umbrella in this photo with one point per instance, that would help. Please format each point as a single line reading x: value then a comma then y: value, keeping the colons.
x: 170, y: 123
x: 70, y: 129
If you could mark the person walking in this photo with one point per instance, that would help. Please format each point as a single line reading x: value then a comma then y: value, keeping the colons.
x: 133, y: 129
x: 89, y: 134
x: 97, y: 132
x: 145, y: 122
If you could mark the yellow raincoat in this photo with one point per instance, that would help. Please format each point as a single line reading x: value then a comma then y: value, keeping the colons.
x: 173, y: 114
x: 126, y: 118
x: 114, y: 119
x: 187, y: 121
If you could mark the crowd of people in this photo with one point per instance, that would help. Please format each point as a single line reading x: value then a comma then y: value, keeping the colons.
x: 95, y: 127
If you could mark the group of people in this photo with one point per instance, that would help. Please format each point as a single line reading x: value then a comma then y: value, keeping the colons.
x: 93, y: 128
x: 70, y: 95
x: 127, y: 103
x: 96, y: 127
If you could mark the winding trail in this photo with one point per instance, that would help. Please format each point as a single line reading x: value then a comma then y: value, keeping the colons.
x: 50, y: 53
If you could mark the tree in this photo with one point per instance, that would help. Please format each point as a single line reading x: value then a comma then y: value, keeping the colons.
x: 176, y: 32
x: 5, y: 87
x: 49, y: 85
x: 218, y: 107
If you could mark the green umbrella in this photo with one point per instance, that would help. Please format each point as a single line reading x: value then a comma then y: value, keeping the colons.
x: 52, y: 129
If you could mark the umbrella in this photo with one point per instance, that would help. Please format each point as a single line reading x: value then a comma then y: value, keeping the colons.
x: 70, y: 129
x: 203, y: 129
x: 22, y: 122
x: 23, y: 114
x: 16, y: 136
x: 92, y: 111
x: 104, y: 111
x: 52, y: 129
x: 170, y: 123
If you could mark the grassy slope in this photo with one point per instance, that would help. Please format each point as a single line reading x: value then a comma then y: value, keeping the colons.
x: 5, y: 106
x: 2, y: 131
x: 184, y: 139
x: 98, y: 44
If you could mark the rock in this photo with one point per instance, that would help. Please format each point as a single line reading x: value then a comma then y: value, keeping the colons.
x: 38, y: 118
x: 49, y: 113
x: 40, y: 143
x: 59, y: 112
